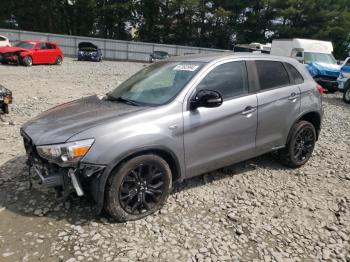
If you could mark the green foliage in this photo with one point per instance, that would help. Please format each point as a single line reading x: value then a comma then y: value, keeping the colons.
x: 205, y: 23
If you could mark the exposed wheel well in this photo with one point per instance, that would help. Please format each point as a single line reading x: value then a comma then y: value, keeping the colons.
x: 168, y: 157
x: 315, y: 119
x: 347, y: 84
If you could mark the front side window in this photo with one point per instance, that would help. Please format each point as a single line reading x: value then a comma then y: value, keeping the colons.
x: 41, y: 46
x: 157, y: 84
x: 310, y: 57
x: 272, y: 74
x: 229, y: 79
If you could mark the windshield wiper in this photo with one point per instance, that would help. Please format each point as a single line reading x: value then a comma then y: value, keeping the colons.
x: 123, y: 100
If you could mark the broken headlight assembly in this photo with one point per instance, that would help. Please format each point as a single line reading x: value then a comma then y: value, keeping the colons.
x: 65, y: 154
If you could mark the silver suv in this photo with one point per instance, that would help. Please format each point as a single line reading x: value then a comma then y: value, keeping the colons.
x: 171, y: 121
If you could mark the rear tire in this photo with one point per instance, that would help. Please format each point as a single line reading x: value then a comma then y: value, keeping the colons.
x: 58, y: 60
x: 138, y: 188
x: 27, y: 61
x: 346, y: 95
x: 5, y: 108
x: 300, y: 145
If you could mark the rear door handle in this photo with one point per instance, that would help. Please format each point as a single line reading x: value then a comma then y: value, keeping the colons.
x: 248, y: 111
x: 293, y: 97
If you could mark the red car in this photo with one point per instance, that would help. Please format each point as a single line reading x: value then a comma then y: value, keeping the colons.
x: 31, y: 53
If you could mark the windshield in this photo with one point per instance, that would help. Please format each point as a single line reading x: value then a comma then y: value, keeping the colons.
x: 160, y: 55
x: 319, y: 57
x: 25, y: 45
x: 157, y: 84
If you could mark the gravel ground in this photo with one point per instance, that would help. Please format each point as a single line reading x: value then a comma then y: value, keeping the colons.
x: 253, y: 211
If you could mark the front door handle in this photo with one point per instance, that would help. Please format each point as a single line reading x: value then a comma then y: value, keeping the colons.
x: 248, y: 111
x: 293, y: 97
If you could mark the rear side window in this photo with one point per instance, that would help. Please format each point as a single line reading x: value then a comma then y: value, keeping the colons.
x: 296, y: 77
x: 2, y: 39
x: 229, y: 79
x: 50, y: 46
x: 272, y: 74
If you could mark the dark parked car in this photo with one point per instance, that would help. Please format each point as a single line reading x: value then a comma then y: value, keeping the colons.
x: 5, y: 99
x: 158, y: 55
x: 174, y: 120
x: 89, y: 52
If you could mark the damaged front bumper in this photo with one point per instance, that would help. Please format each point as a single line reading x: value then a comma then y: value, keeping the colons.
x: 327, y: 82
x: 9, y: 57
x: 81, y: 179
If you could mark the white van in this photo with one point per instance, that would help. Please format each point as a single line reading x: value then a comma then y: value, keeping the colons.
x: 316, y: 54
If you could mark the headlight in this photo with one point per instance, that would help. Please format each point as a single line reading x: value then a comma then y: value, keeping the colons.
x: 68, y: 152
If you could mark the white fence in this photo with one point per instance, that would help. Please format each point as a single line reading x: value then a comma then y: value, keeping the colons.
x: 111, y: 49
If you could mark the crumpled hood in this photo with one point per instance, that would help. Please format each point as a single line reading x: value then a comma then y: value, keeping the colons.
x: 58, y: 124
x: 87, y: 46
x: 11, y: 49
x: 323, y: 69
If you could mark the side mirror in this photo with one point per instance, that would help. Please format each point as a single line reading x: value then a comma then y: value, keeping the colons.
x: 206, y: 98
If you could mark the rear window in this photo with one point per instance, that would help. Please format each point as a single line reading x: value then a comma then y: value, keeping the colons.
x: 296, y: 77
x: 50, y: 46
x: 272, y: 74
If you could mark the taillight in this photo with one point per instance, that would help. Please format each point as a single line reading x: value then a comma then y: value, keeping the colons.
x: 320, y: 89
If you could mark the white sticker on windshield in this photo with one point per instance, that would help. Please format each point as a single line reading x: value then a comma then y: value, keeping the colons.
x: 186, y: 67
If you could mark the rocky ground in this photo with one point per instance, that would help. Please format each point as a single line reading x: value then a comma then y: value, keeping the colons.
x: 254, y: 211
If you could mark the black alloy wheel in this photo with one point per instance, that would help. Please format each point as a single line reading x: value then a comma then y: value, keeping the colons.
x: 141, y: 189
x: 300, y: 145
x: 304, y: 144
x: 138, y: 187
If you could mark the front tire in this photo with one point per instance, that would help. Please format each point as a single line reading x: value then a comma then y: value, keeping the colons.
x: 27, y: 61
x: 300, y: 145
x: 346, y: 95
x: 138, y: 188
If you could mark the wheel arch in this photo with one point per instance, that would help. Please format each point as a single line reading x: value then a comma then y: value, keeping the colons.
x: 168, y: 155
x: 314, y: 118
x: 24, y: 54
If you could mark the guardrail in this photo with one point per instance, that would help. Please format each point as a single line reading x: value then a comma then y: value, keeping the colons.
x: 111, y: 49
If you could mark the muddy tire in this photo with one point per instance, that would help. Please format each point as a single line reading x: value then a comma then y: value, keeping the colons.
x: 300, y: 145
x: 138, y: 188
x: 27, y: 61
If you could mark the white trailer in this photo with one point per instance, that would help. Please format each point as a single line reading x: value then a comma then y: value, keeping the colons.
x: 301, y: 48
x: 316, y: 54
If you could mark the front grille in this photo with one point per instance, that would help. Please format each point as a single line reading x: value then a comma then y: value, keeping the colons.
x: 326, y: 78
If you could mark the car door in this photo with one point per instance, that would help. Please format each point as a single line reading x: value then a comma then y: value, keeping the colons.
x: 278, y: 105
x: 217, y: 137
x: 39, y: 55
